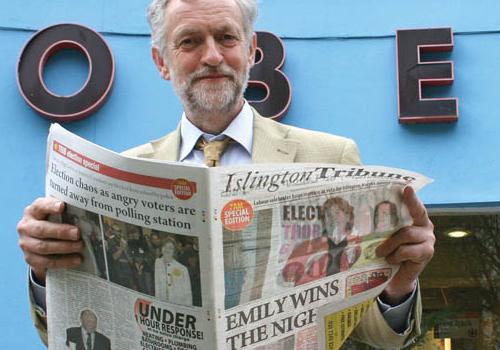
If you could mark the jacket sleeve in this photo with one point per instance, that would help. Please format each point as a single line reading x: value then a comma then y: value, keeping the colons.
x: 39, y: 318
x: 374, y: 330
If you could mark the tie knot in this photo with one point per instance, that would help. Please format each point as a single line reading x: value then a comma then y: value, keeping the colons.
x: 213, y: 150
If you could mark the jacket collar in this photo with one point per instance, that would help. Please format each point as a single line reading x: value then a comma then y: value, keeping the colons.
x: 270, y: 143
x: 166, y: 148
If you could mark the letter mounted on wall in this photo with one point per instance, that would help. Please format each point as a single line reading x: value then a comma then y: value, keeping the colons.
x: 266, y: 75
x: 45, y: 44
x: 414, y: 74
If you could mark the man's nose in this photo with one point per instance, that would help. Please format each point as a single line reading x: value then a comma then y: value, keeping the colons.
x: 212, y: 55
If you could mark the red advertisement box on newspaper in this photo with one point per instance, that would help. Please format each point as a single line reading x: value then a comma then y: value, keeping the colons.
x: 236, y: 215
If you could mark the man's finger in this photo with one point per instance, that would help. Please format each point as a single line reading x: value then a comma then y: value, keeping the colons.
x: 43, y: 262
x: 416, y: 253
x: 48, y: 230
x: 49, y: 247
x: 406, y: 235
x: 415, y: 207
x: 42, y: 207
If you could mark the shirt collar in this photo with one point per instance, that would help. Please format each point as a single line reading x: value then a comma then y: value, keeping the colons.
x: 240, y: 130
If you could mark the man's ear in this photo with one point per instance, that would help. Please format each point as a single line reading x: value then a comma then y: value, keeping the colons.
x: 160, y: 63
x: 253, y: 49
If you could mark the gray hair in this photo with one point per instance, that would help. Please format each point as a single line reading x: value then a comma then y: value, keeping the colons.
x: 158, y: 22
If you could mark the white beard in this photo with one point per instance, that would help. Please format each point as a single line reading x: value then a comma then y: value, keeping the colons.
x: 208, y: 97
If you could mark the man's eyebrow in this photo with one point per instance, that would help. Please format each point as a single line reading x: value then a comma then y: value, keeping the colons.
x: 185, y: 32
x: 189, y: 31
x: 227, y: 28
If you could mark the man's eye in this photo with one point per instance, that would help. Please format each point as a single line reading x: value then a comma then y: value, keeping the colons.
x: 228, y: 38
x: 187, y: 42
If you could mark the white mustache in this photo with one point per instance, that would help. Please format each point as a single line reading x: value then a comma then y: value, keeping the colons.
x: 207, y: 71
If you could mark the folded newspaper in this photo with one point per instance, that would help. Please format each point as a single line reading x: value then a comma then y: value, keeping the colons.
x: 181, y: 256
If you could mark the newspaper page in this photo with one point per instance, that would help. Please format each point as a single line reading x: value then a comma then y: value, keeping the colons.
x: 299, y: 243
x: 145, y: 281
x: 188, y: 257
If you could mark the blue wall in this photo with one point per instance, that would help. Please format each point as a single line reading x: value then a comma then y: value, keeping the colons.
x: 340, y: 61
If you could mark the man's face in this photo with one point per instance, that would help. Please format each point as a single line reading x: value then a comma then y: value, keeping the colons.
x: 384, y: 217
x: 336, y: 217
x: 335, y: 221
x: 115, y: 230
x: 206, y: 56
x: 364, y: 222
x: 155, y: 240
x: 89, y: 321
x: 133, y: 235
x: 168, y: 251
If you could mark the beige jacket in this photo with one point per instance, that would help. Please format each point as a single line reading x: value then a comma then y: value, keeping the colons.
x: 278, y: 143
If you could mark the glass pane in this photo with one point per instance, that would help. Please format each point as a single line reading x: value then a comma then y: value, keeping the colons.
x: 461, y: 285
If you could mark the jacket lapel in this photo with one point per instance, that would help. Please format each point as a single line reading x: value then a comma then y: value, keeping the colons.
x: 270, y: 143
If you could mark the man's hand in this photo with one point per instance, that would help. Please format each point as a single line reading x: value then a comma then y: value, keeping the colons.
x: 411, y: 246
x: 48, y: 245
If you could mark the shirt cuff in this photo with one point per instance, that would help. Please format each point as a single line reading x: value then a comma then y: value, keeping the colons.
x: 398, y: 316
x: 38, y: 291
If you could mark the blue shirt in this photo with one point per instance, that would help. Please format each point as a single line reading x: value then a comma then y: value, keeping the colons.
x: 237, y: 153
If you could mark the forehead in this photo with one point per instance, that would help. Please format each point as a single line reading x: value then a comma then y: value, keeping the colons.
x: 87, y: 315
x: 202, y: 14
x: 334, y: 208
x: 384, y: 206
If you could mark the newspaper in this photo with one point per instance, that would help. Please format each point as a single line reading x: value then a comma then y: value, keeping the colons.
x: 182, y: 256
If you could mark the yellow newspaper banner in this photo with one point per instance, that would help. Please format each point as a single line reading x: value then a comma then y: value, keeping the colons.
x: 339, y: 325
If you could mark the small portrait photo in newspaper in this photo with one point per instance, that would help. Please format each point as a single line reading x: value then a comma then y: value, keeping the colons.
x: 86, y: 335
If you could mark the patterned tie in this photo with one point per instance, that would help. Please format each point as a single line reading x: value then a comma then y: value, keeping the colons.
x: 89, y: 341
x: 212, y: 150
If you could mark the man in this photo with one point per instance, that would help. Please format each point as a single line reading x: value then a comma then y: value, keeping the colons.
x: 190, y: 257
x: 172, y: 281
x: 118, y: 257
x: 321, y: 256
x: 89, y: 262
x: 338, y: 222
x: 155, y: 244
x: 385, y: 216
x: 86, y: 337
x: 141, y: 260
x: 206, y: 47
